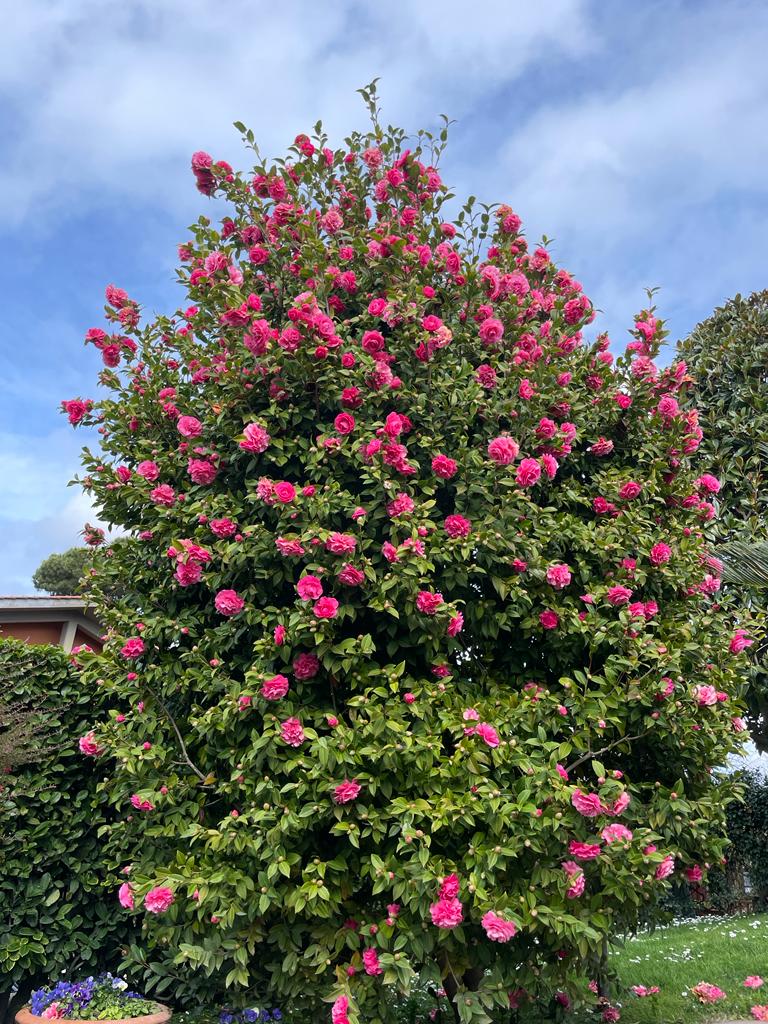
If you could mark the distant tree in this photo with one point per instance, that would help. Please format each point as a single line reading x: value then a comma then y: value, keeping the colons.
x: 727, y: 356
x: 61, y: 573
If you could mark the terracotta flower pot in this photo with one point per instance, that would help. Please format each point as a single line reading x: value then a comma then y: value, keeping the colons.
x: 163, y: 1015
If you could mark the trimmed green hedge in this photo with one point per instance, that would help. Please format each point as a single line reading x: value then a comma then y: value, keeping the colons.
x: 56, y: 911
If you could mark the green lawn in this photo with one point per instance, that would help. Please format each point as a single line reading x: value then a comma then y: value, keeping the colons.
x: 722, y: 951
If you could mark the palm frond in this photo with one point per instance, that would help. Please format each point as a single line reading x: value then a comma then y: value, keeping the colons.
x: 745, y: 563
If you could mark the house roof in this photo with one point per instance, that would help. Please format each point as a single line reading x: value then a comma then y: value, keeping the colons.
x: 68, y: 609
x: 39, y: 602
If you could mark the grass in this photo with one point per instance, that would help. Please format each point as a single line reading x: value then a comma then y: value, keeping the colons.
x: 721, y: 951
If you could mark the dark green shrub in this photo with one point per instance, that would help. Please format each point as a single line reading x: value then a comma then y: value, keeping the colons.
x: 54, y: 911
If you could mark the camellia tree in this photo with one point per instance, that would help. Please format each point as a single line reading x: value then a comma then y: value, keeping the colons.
x: 421, y: 670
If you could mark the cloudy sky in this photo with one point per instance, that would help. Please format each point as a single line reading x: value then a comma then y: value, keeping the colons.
x: 633, y: 134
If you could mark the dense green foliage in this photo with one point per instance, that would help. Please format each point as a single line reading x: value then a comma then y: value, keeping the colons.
x: 419, y: 679
x: 748, y: 835
x: 61, y: 573
x: 54, y: 912
x: 727, y: 356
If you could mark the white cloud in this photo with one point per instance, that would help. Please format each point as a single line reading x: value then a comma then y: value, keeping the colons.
x: 623, y: 160
x: 39, y: 513
x: 122, y: 93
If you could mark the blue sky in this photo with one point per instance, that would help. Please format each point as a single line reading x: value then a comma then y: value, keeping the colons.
x: 633, y: 134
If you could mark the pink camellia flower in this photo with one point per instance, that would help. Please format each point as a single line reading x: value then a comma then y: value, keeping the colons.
x: 667, y: 866
x: 344, y: 423
x: 140, y: 804
x: 630, y: 490
x: 163, y: 495
x: 558, y: 576
x: 759, y: 1012
x: 753, y: 981
x: 326, y: 608
x: 306, y: 666
x: 455, y: 624
x: 189, y: 426
x: 705, y: 696
x: 587, y: 804
x: 491, y: 331
x: 498, y: 929
x: 228, y: 602
x: 188, y: 573
x: 274, y: 688
x: 341, y: 543
x: 616, y: 834
x: 223, y: 527
x: 149, y: 470
x: 202, y: 471
x: 707, y: 482
x: 125, y: 896
x: 339, y: 1011
x: 584, y: 851
x: 621, y: 803
x: 470, y: 715
x: 284, y: 491
x: 457, y: 526
x: 428, y: 602
x: 738, y: 723
x: 346, y: 791
x: 371, y: 962
x: 694, y: 874
x: 740, y: 641
x: 291, y: 732
x: 660, y: 554
x: 550, y: 464
x: 447, y: 912
x: 707, y: 993
x: 561, y: 772
x: 279, y: 634
x: 549, y: 619
x: 449, y: 887
x: 503, y: 450
x: 89, y: 746
x: 487, y: 734
x: 401, y: 505
x: 159, y: 899
x: 133, y: 648
x: 76, y: 409
x: 528, y: 473
x: 52, y: 1012
x: 309, y: 588
x: 255, y: 439
x: 575, y: 874
x: 618, y: 595
x: 643, y: 991
x: 444, y: 467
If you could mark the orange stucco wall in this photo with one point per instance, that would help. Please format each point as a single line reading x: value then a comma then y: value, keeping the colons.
x: 33, y: 632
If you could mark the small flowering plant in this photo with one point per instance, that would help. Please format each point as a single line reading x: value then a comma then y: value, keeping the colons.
x: 249, y: 1016
x: 418, y: 674
x: 104, y: 997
